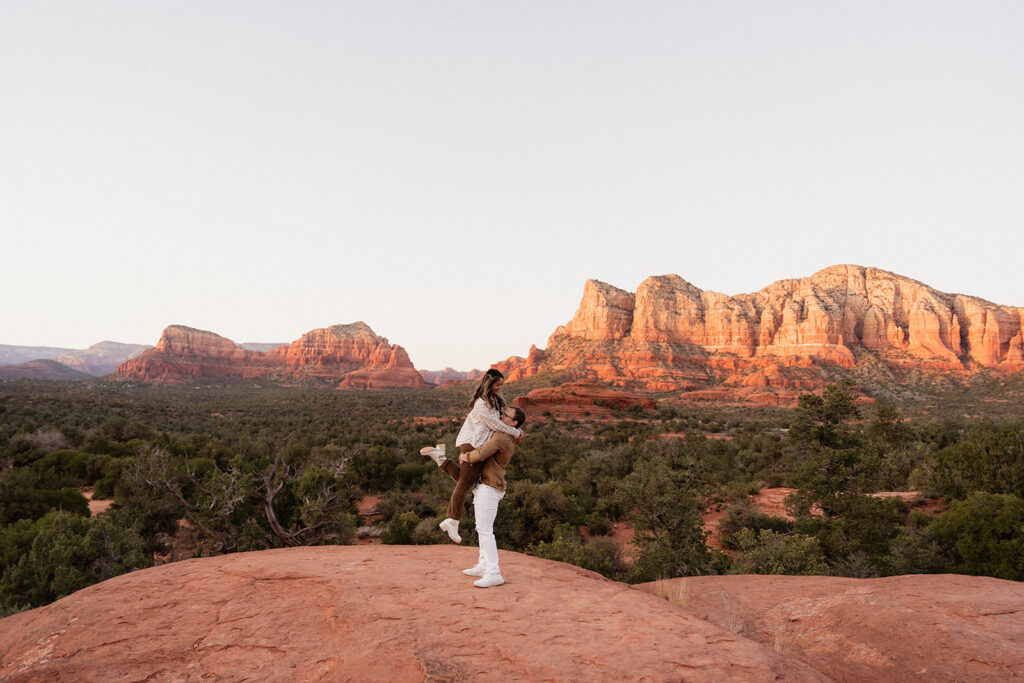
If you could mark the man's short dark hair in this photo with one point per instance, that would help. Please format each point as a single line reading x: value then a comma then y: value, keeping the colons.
x: 520, y: 416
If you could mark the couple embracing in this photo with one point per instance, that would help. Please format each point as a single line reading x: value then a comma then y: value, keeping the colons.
x: 485, y: 443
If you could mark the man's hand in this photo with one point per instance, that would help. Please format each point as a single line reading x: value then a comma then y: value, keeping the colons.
x: 462, y: 458
x: 522, y: 435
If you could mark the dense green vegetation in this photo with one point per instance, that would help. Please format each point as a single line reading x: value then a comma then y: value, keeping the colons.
x: 205, y: 470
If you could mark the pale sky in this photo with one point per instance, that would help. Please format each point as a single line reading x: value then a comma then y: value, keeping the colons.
x: 452, y: 172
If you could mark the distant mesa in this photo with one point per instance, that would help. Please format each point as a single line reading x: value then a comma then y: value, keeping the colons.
x: 449, y: 376
x: 42, y: 369
x: 878, y: 328
x: 13, y: 355
x: 345, y: 356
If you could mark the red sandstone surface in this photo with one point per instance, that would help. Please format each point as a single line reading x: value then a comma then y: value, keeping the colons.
x: 579, y: 399
x: 347, y: 356
x: 900, y: 628
x: 768, y: 346
x: 371, y: 612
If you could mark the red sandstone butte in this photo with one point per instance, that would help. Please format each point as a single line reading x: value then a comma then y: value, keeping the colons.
x: 347, y: 356
x: 373, y: 612
x: 580, y: 399
x: 791, y: 336
x: 900, y: 628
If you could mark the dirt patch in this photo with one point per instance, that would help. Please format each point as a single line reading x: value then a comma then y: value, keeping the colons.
x: 95, y: 506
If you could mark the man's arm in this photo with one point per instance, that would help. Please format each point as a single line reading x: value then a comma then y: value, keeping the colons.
x: 492, y: 446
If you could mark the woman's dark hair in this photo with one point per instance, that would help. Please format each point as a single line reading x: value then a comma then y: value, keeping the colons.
x: 483, y: 390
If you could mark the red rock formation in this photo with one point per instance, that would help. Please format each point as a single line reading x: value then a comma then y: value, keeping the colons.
x: 792, y: 335
x: 385, y: 370
x: 579, y: 399
x: 900, y: 628
x: 350, y: 356
x: 184, y: 353
x: 373, y: 612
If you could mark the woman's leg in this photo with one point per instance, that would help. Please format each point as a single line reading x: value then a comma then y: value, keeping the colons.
x: 485, y: 505
x: 468, y: 476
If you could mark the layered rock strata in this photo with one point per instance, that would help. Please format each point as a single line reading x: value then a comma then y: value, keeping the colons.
x: 792, y: 335
x: 348, y: 356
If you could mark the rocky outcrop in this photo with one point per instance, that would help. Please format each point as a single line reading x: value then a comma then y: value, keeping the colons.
x: 372, y: 612
x: 792, y: 335
x: 184, y: 354
x: 388, y: 368
x: 348, y: 356
x: 900, y: 628
x: 580, y: 400
x: 353, y: 355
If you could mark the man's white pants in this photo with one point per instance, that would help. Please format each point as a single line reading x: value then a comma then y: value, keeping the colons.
x: 485, y: 509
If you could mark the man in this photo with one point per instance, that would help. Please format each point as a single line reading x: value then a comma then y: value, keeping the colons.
x: 495, y: 455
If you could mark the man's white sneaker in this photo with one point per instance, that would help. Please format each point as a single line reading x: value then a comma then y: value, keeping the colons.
x: 489, y: 580
x: 451, y: 527
x: 476, y: 571
x: 436, y: 453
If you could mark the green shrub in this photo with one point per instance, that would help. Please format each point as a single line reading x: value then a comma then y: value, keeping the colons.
x: 603, y: 556
x: 600, y: 526
x: 61, y: 553
x: 740, y: 517
x: 400, y: 529
x: 985, y: 533
x: 768, y: 552
x: 529, y: 514
x: 26, y: 494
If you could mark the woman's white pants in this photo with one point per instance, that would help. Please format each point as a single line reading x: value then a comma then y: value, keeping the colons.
x: 485, y: 509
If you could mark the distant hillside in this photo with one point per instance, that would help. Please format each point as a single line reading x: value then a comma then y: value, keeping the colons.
x: 12, y: 355
x: 449, y: 376
x: 41, y: 369
x: 97, y: 360
x: 102, y: 358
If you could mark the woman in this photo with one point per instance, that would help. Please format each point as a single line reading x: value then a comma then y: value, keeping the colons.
x: 483, y: 420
